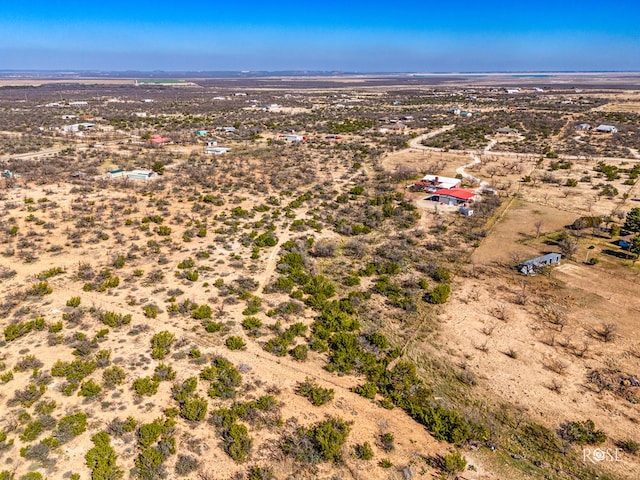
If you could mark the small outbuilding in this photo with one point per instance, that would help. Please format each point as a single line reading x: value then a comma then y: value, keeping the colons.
x: 584, y: 126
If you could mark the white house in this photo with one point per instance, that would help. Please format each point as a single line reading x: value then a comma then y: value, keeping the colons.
x: 216, y: 150
x: 431, y: 183
x: 76, y: 127
x: 507, y: 131
x: 293, y: 138
x: 393, y: 128
x: 141, y: 174
x: 606, y: 129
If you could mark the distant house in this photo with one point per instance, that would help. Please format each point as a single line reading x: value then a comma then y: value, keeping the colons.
x: 512, y: 90
x: 216, y: 150
x: 453, y: 196
x: 455, y: 111
x: 77, y: 127
x: 211, y: 143
x: 393, y: 128
x: 529, y: 267
x: 78, y: 104
x: 584, y: 126
x: 274, y: 107
x: 158, y: 140
x: 407, y: 118
x: 141, y: 174
x: 507, y: 131
x: 293, y: 138
x: 606, y: 129
x: 466, y: 114
x: 229, y: 129
x: 202, y: 133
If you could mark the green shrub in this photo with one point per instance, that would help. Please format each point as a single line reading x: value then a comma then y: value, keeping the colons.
x: 161, y: 344
x: 300, y: 353
x: 224, y: 378
x: 71, y: 426
x: 45, y: 408
x: 583, y: 433
x: 194, y: 409
x: 32, y: 476
x: 150, y: 433
x: 31, y: 431
x: 253, y: 305
x: 439, y: 295
x: 39, y: 289
x: 113, y: 319
x: 150, y: 311
x: 102, y: 458
x: 55, y: 327
x: 182, y: 391
x: 146, y: 386
x: 237, y: 442
x: 187, y: 263
x: 164, y: 373
x: 260, y: 473
x: 453, y: 463
x: 113, y: 376
x: 629, y: 446
x: 89, y: 389
x: 251, y: 324
x: 17, y: 330
x: 317, y: 443
x: 201, y: 312
x: 163, y: 230
x: 367, y: 390
x: 235, y: 343
x: 363, y: 451
x: 149, y: 464
x: 314, y: 393
x: 103, y: 358
x: 213, y: 327
x: 119, y: 261
x: 386, y: 442
x: 52, y: 272
x: 74, y: 371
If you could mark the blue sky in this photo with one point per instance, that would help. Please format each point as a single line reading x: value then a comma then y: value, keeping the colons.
x: 363, y: 36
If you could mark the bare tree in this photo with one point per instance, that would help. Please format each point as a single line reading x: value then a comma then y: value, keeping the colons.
x: 538, y: 226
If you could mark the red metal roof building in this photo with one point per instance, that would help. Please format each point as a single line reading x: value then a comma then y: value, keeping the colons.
x: 453, y: 196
